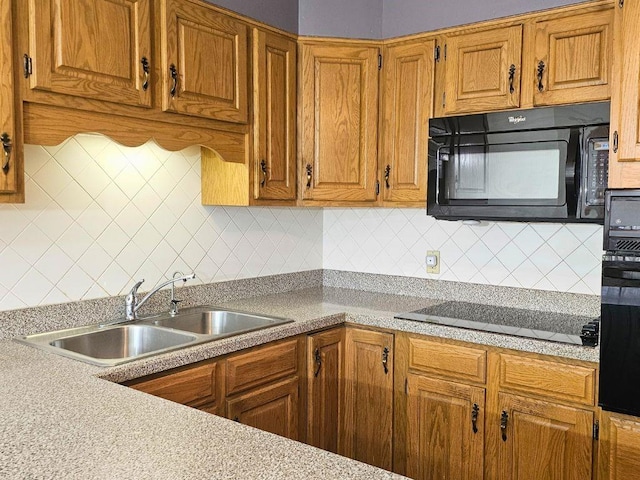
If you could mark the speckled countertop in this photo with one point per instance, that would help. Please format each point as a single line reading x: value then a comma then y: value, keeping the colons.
x: 60, y: 418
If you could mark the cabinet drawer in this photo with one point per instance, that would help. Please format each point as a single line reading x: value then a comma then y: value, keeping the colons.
x: 452, y: 361
x: 546, y: 378
x: 193, y: 386
x: 262, y: 365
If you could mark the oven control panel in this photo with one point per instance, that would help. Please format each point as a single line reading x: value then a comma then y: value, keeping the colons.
x: 596, y: 175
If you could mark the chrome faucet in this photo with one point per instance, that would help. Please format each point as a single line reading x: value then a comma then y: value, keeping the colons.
x: 173, y: 311
x: 131, y: 303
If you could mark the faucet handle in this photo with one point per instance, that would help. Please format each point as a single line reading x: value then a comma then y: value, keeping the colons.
x: 134, y: 289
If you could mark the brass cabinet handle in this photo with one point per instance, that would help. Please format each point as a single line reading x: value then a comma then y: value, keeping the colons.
x: 174, y: 77
x: 385, y: 360
x: 540, y: 75
x: 263, y: 169
x: 7, y: 147
x: 512, y: 74
x: 504, y: 418
x: 387, y: 172
x: 145, y: 68
x: 615, y: 142
x: 318, y: 360
x: 474, y: 417
x: 309, y: 170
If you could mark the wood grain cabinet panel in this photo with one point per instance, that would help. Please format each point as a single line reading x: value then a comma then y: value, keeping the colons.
x: 325, y: 366
x: 406, y: 102
x: 573, y: 59
x: 273, y: 408
x: 11, y: 148
x: 367, y: 430
x: 443, y: 359
x: 624, y: 171
x: 204, y: 62
x: 544, y: 440
x: 483, y: 70
x: 620, y: 447
x: 96, y: 49
x: 338, y: 122
x: 274, y: 111
x: 445, y: 429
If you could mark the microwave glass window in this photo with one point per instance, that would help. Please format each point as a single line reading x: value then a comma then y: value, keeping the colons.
x: 506, y: 173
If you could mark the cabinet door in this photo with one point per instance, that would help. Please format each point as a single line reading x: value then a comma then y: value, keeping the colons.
x: 273, y: 408
x: 97, y: 49
x: 445, y: 429
x: 620, y: 447
x: 544, y: 440
x: 325, y: 360
x: 407, y: 98
x: 624, y: 171
x: 274, y: 111
x: 483, y: 70
x: 11, y: 153
x: 204, y: 62
x: 367, y: 430
x: 573, y: 58
x: 339, y: 122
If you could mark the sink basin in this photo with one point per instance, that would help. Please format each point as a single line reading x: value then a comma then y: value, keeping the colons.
x: 218, y: 322
x: 123, y: 341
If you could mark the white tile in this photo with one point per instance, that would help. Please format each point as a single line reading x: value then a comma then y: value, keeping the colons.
x: 31, y: 244
x: 465, y: 269
x: 177, y: 166
x: 528, y: 241
x: 75, y: 283
x: 527, y: 274
x: 147, y: 201
x: 150, y: 274
x: 563, y: 242
x: 178, y: 237
x: 13, y: 223
x: 94, y: 220
x: 546, y: 230
x: 114, y: 280
x: 112, y: 200
x: 94, y: 261
x: 511, y: 256
x: 113, y: 240
x: 14, y: 267
x: 193, y: 218
x: 163, y: 221
x: 53, y: 222
x: 479, y: 254
x: 32, y: 288
x: 582, y: 231
x: 191, y: 184
x: 563, y: 277
x: 93, y: 180
x: 74, y: 200
x: 96, y: 291
x: 130, y: 220
x: 162, y: 182
x: 111, y: 160
x: 494, y: 271
x: 219, y: 252
x: 35, y: 157
x: 130, y: 181
x: 93, y: 143
x: 206, y: 270
x: 206, y: 236
x: 147, y: 238
x: 144, y: 161
x: 11, y: 302
x: 582, y: 261
x: 73, y: 158
x: 163, y: 256
x: 495, y: 239
x: 52, y: 178
x: 54, y: 264
x: 545, y: 259
x: 52, y: 149
x: 131, y: 258
x: 36, y: 200
x: 54, y: 297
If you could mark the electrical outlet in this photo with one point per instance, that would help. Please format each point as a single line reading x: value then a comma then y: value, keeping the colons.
x: 433, y: 261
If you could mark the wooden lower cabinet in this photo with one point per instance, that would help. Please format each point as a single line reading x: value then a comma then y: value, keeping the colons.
x: 619, y: 447
x: 367, y: 425
x: 325, y: 391
x: 544, y: 440
x: 273, y: 408
x: 445, y: 429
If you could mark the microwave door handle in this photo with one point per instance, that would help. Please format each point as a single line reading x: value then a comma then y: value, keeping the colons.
x: 572, y: 172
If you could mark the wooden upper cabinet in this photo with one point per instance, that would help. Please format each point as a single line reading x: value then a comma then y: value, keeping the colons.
x: 95, y: 49
x: 624, y: 171
x: 483, y: 70
x: 339, y: 122
x: 367, y: 429
x: 445, y: 429
x: 274, y: 112
x: 406, y: 102
x: 544, y: 440
x: 573, y: 59
x: 11, y: 164
x: 204, y: 62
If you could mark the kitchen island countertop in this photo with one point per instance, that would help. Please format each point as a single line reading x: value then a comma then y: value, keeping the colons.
x: 60, y: 418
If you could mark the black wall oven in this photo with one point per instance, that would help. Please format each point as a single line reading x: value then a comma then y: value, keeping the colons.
x: 543, y: 164
x: 620, y: 312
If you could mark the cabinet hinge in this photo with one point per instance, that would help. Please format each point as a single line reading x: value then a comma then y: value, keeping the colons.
x: 27, y: 66
x: 379, y: 61
x: 406, y: 386
x: 377, y: 187
x: 436, y: 53
x: 596, y: 430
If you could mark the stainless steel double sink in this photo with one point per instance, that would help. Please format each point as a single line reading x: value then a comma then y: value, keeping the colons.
x: 119, y: 343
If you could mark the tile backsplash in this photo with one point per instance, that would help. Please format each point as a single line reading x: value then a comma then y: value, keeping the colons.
x: 545, y: 256
x: 99, y: 215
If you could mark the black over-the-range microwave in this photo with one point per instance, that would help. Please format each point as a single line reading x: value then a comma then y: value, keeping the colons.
x: 542, y: 164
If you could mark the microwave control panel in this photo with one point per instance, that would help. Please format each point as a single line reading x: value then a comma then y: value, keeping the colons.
x: 597, y: 175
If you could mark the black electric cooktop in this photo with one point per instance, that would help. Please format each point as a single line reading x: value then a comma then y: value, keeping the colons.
x: 553, y: 327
